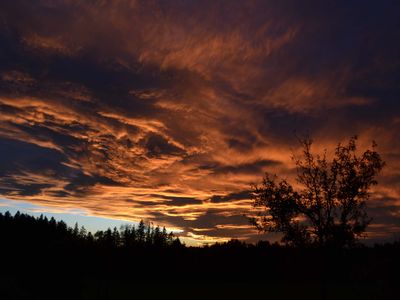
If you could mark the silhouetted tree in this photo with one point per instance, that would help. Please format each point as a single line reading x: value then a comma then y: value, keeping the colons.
x: 128, y: 235
x: 141, y: 232
x: 116, y: 237
x: 149, y: 235
x: 329, y: 208
x: 83, y: 232
x: 76, y: 230
x: 62, y: 226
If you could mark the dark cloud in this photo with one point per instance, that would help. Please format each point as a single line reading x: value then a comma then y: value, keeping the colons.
x: 244, y: 195
x: 177, y: 201
x: 252, y: 168
x: 17, y: 155
x: 156, y: 145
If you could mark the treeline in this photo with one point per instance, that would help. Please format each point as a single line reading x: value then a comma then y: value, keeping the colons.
x: 42, y: 256
x: 26, y: 229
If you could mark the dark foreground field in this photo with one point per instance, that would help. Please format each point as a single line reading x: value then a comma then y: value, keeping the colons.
x: 43, y: 260
x: 156, y: 286
x: 229, y: 272
x: 197, y: 289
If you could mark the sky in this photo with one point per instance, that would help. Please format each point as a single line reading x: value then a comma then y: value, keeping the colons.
x: 168, y: 111
x: 70, y: 216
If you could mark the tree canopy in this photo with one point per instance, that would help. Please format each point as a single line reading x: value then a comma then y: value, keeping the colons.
x: 329, y: 207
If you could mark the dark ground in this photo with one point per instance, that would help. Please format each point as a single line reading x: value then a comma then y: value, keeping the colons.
x: 43, y: 260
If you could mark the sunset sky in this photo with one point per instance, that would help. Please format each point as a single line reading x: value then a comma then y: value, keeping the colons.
x: 168, y: 111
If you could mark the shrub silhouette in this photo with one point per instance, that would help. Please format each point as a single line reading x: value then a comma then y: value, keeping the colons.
x: 329, y: 209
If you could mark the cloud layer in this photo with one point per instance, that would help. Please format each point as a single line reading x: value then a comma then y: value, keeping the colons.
x: 168, y: 111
